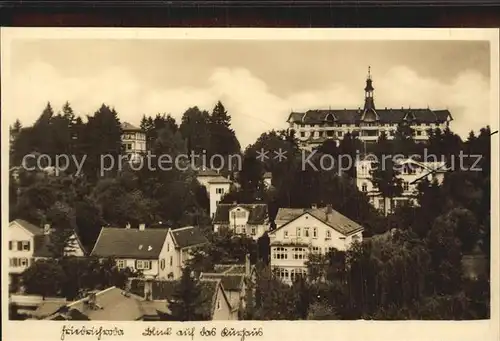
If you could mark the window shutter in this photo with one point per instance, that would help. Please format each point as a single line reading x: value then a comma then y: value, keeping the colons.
x: 10, y: 245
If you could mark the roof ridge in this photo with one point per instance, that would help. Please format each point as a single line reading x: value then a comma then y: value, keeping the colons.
x: 183, y: 228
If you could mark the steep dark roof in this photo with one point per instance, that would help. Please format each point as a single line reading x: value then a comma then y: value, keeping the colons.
x: 165, y: 290
x: 129, y: 127
x: 353, y: 116
x: 33, y: 229
x: 229, y: 281
x: 188, y: 236
x: 207, y: 172
x: 258, y: 213
x: 130, y: 243
x: 333, y: 219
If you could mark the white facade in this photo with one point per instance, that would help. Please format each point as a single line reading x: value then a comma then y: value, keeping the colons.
x: 410, y: 172
x: 22, y: 252
x: 238, y: 222
x: 292, y: 242
x: 168, y: 265
x: 216, y: 185
x: 314, y: 134
x: 133, y: 141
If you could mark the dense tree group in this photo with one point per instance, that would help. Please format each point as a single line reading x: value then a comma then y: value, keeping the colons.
x: 408, y: 266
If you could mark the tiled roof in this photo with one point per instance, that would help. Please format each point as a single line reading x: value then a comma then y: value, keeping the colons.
x: 258, y: 213
x: 231, y: 282
x: 130, y: 243
x: 164, y: 291
x: 220, y: 180
x: 33, y: 229
x: 353, y: 116
x: 129, y: 127
x: 207, y: 172
x: 188, y: 236
x: 333, y: 218
x: 112, y: 304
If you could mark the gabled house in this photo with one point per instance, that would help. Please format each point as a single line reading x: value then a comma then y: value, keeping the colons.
x: 180, y: 243
x: 157, y: 253
x: 302, y: 231
x: 160, y: 293
x: 28, y: 242
x: 251, y: 220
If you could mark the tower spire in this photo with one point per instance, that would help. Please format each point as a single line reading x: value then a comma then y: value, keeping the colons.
x: 369, y: 104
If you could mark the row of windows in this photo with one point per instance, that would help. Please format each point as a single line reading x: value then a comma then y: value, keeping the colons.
x: 19, y: 262
x: 296, y: 253
x: 282, y: 253
x: 307, y: 234
x: 143, y: 264
x: 241, y: 229
x: 219, y: 190
x: 292, y: 274
x: 367, y: 124
x: 238, y: 214
x: 19, y: 245
x: 405, y: 184
x: 134, y: 136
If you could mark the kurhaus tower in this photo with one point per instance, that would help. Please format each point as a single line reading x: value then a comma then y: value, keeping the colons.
x: 313, y: 127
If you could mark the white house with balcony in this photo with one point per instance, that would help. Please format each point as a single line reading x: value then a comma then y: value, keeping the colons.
x: 156, y: 252
x: 411, y: 172
x: 133, y: 141
x: 302, y: 231
x: 216, y: 185
x: 251, y: 220
x: 28, y: 243
x: 314, y: 127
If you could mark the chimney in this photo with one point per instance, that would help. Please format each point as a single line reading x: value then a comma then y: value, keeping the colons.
x: 314, y: 206
x: 46, y: 229
x: 127, y: 226
x: 329, y: 208
x: 235, y: 202
x: 142, y: 227
x: 247, y: 265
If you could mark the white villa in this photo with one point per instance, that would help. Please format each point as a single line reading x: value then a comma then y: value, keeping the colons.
x: 302, y: 231
x: 411, y: 172
x: 133, y: 141
x: 251, y: 220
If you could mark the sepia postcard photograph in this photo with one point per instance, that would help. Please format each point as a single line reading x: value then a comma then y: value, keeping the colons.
x: 203, y: 183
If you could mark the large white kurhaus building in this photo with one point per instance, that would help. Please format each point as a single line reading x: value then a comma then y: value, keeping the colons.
x: 314, y: 127
x: 302, y: 231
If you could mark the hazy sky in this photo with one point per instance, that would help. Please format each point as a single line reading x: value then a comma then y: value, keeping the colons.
x: 258, y: 82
